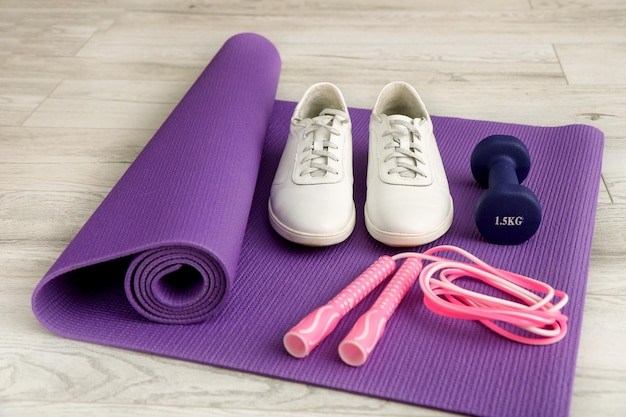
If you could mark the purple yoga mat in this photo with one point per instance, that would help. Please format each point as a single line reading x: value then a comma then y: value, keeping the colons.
x: 180, y: 259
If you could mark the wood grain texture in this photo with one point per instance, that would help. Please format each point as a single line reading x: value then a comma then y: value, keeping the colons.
x: 84, y: 84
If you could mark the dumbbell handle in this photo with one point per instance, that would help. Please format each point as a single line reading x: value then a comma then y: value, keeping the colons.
x: 502, y: 172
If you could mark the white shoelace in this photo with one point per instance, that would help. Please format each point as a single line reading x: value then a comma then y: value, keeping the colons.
x: 318, y: 152
x: 407, y: 151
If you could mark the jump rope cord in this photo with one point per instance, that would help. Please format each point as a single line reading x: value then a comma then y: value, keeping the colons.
x: 534, y: 312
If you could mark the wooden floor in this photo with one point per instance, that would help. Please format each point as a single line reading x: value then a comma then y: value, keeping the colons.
x: 85, y: 84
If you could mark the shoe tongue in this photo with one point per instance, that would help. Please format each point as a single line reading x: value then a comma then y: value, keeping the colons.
x: 404, y: 138
x: 400, y: 117
x: 321, y: 135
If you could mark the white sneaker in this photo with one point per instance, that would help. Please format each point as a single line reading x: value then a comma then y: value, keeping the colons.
x: 408, y: 200
x: 311, y: 200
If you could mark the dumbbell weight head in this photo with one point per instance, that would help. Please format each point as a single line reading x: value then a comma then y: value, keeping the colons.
x: 507, y: 213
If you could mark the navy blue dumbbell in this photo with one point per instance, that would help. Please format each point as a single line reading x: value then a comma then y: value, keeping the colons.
x: 507, y: 213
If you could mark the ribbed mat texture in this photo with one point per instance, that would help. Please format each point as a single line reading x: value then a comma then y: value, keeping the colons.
x: 180, y: 259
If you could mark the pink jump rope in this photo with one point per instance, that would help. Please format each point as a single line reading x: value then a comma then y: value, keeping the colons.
x: 535, y: 312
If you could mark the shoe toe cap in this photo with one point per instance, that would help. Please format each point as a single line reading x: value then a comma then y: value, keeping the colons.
x: 323, y: 215
x: 417, y: 220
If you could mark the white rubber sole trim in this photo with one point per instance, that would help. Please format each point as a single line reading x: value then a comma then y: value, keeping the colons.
x: 406, y: 240
x: 311, y: 239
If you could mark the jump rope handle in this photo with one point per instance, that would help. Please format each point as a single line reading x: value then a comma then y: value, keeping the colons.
x: 368, y: 329
x: 533, y: 311
x: 313, y: 329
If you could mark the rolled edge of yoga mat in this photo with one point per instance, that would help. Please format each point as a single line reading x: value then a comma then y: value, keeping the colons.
x: 177, y: 217
x: 175, y: 285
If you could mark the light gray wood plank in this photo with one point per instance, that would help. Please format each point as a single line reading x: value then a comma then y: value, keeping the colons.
x: 19, y: 98
x: 486, y: 64
x: 24, y: 262
x: 269, y: 6
x: 410, y: 24
x: 141, y: 91
x: 616, y: 5
x: 45, y: 216
x: 153, y: 47
x: 614, y: 169
x: 71, y: 409
x: 586, y: 64
x: 601, y: 379
x: 60, y: 5
x: 120, y: 104
x: 49, y: 32
x: 433, y: 63
x: 609, y: 235
x: 103, y: 114
x: 47, y: 145
x: 605, y: 269
x: 88, y: 177
x: 41, y: 67
x: 65, y: 371
x: 604, y: 197
x: 556, y: 105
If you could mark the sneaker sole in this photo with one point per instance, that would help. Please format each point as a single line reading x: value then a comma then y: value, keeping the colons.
x: 406, y: 240
x: 311, y: 239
